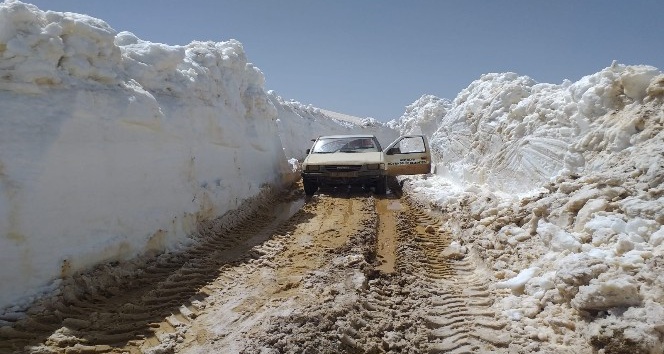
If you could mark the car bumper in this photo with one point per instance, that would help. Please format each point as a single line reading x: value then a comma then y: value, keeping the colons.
x: 357, y: 177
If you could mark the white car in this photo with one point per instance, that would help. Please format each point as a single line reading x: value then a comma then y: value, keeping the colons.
x: 359, y: 159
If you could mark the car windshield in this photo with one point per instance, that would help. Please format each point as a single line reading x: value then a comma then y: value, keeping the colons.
x: 347, y: 144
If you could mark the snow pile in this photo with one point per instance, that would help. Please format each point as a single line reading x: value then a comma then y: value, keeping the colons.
x: 423, y: 116
x: 513, y: 133
x: 33, y: 44
x: 111, y: 146
x: 299, y: 124
x: 559, y: 189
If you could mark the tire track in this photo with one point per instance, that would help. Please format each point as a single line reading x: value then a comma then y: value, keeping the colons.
x: 458, y: 311
x: 277, y: 306
x: 430, y: 301
x: 133, y: 309
x: 344, y: 274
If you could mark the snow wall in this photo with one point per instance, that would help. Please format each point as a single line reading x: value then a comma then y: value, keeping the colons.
x: 513, y: 134
x: 559, y: 189
x: 112, y: 147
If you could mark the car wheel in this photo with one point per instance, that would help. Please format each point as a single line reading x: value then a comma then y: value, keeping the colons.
x: 381, y: 185
x: 310, y: 187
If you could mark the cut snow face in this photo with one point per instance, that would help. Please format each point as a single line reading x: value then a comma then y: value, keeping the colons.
x: 111, y: 146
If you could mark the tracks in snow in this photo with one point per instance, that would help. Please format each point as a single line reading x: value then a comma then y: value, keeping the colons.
x: 345, y: 274
x: 459, y: 313
x: 457, y: 307
x: 420, y: 299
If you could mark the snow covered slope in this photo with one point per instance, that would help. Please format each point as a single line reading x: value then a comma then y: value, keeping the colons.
x: 111, y: 146
x: 560, y: 190
x: 512, y: 133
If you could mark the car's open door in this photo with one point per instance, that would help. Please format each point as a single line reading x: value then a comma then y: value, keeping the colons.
x: 408, y: 155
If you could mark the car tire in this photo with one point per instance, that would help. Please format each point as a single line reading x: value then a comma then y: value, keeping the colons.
x: 310, y: 187
x: 381, y: 185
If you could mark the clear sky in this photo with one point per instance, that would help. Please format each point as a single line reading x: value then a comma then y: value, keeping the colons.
x: 373, y: 58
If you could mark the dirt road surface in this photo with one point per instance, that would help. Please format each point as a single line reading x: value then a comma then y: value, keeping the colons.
x: 341, y: 272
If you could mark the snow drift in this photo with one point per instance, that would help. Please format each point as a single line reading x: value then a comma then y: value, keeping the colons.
x: 510, y: 132
x: 559, y: 189
x: 111, y: 146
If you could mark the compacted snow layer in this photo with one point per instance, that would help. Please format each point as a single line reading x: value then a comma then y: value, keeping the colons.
x: 111, y: 146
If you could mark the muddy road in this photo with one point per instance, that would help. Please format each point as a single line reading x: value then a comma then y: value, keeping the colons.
x: 342, y: 272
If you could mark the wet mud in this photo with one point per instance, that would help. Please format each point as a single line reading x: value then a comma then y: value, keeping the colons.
x: 344, y: 271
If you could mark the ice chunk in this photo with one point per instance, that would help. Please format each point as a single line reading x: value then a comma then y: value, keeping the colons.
x: 517, y: 284
x: 538, y: 286
x: 454, y: 251
x: 656, y: 87
x: 657, y: 237
x: 591, y: 207
x: 556, y: 238
x: 602, y: 294
x: 613, y: 222
x: 636, y: 79
x: 641, y: 227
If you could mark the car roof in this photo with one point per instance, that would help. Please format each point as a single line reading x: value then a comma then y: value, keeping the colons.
x: 346, y: 136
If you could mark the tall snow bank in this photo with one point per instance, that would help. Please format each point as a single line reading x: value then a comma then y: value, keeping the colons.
x: 423, y: 116
x: 509, y: 132
x: 111, y: 146
x: 576, y: 246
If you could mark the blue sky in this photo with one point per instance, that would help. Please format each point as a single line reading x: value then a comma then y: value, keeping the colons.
x: 373, y: 58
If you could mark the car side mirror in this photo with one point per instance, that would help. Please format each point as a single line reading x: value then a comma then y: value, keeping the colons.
x: 394, y: 150
x: 308, y: 151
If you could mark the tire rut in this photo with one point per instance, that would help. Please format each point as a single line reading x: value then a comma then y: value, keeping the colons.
x: 430, y: 300
x: 459, y: 314
x: 347, y: 273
